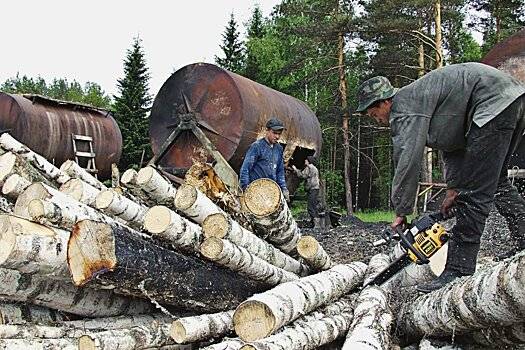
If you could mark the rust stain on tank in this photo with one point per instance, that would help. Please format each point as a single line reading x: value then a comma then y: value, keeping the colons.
x: 509, y: 55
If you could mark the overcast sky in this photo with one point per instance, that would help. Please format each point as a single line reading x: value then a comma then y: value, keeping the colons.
x: 87, y: 40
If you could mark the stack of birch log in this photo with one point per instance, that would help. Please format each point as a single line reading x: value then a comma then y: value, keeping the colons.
x: 146, y: 265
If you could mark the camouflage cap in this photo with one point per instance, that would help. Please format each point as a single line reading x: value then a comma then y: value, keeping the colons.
x: 374, y: 89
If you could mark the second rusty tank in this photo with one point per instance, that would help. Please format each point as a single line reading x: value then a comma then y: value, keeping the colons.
x: 232, y: 112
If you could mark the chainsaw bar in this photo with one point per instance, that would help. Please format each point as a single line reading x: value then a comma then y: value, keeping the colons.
x: 396, y: 266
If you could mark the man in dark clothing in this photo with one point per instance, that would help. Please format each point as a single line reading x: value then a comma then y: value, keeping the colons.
x: 264, y: 159
x: 475, y: 114
x: 311, y: 175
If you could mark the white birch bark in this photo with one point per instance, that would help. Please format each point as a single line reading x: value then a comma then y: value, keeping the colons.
x: 158, y: 188
x: 198, y: 328
x: 6, y: 206
x: 14, y: 185
x: 129, y: 182
x: 17, y: 314
x: 166, y: 225
x: 75, y: 171
x: 194, y: 204
x: 49, y: 170
x: 264, y: 313
x: 37, y: 190
x: 33, y: 248
x: 80, y: 191
x: 40, y: 344
x: 313, y: 253
x: 109, y: 201
x: 226, y: 344
x: 58, y: 295
x: 119, y: 322
x: 377, y: 263
x: 220, y: 225
x: 270, y: 216
x: 241, y: 260
x: 469, y: 303
x: 11, y: 163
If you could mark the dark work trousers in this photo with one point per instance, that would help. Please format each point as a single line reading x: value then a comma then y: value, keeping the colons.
x: 482, y: 181
x: 313, y: 203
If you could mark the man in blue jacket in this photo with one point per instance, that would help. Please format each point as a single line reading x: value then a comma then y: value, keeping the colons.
x: 264, y: 158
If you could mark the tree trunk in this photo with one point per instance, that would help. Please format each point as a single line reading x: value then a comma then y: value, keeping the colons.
x: 11, y: 163
x: 81, y: 191
x: 313, y: 253
x: 167, y: 226
x: 439, y: 41
x: 32, y: 248
x: 14, y: 185
x: 227, y: 344
x: 16, y: 314
x: 50, y: 171
x: 270, y: 216
x: 62, y: 296
x: 109, y: 201
x: 156, y: 186
x: 75, y: 171
x: 194, y: 204
x: 219, y: 225
x: 263, y: 314
x: 116, y: 257
x: 198, y: 328
x: 241, y: 260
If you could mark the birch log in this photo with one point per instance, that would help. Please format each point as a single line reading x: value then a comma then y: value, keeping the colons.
x: 81, y: 191
x: 58, y: 295
x: 16, y: 314
x: 129, y: 181
x: 166, y: 225
x: 241, y: 260
x: 14, y: 185
x: 38, y: 344
x: 313, y: 253
x: 50, y: 171
x: 198, y: 328
x: 32, y: 248
x: 377, y: 263
x: 270, y: 216
x: 496, y: 337
x: 158, y: 188
x: 109, y: 201
x: 226, y: 344
x: 264, y: 313
x: 194, y: 204
x: 37, y: 190
x: 11, y: 163
x: 117, y: 257
x: 6, y: 206
x: 493, y: 296
x: 75, y: 171
x: 220, y: 225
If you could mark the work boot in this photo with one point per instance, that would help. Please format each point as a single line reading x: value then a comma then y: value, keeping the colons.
x: 445, y: 278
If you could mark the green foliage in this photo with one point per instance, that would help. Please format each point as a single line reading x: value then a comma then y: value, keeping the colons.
x: 256, y: 31
x: 132, y: 106
x: 464, y: 48
x: 335, y: 188
x: 232, y: 48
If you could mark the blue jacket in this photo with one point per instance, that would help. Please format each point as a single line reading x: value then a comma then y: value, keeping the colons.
x: 263, y: 161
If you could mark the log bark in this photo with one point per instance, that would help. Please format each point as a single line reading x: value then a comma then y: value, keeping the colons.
x: 37, y: 190
x: 263, y: 314
x: 270, y: 216
x: 58, y: 295
x: 75, y: 171
x: 6, y: 206
x: 227, y: 344
x: 11, y: 163
x: 117, y: 257
x: 496, y: 337
x: 129, y: 182
x: 377, y: 263
x: 313, y: 253
x: 33, y: 248
x: 241, y: 260
x: 48, y: 170
x: 81, y: 191
x: 198, y: 328
x: 493, y: 296
x: 119, y: 322
x: 16, y: 314
x: 40, y: 344
x: 14, y: 185
x: 158, y: 188
x: 194, y: 204
x: 220, y: 225
x: 112, y: 203
x: 166, y: 225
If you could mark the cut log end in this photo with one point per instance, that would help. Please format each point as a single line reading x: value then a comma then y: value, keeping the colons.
x: 87, y: 251
x: 185, y: 197
x: 14, y: 185
x: 247, y: 347
x: 144, y: 175
x: 85, y: 342
x: 157, y: 219
x: 67, y: 165
x: 253, y: 320
x: 307, y: 247
x: 129, y: 177
x: 73, y: 188
x: 38, y: 208
x: 7, y: 165
x: 104, y: 199
x: 178, y: 332
x: 215, y: 225
x: 212, y: 247
x: 262, y: 197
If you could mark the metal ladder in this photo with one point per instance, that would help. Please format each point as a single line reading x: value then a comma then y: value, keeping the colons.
x: 91, y: 167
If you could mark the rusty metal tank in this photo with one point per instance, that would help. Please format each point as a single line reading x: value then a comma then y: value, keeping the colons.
x: 232, y: 111
x: 46, y: 126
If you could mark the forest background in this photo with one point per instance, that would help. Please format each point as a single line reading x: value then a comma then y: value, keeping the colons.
x: 319, y: 51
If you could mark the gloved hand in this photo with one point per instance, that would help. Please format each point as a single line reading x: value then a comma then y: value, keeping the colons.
x: 399, y: 221
x: 286, y: 195
x: 449, y: 202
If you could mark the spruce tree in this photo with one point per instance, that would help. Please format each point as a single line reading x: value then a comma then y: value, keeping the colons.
x: 132, y: 106
x: 232, y: 48
x: 255, y: 33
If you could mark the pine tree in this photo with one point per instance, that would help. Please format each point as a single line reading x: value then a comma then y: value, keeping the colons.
x: 232, y: 48
x: 132, y: 106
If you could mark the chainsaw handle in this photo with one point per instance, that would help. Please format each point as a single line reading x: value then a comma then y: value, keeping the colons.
x: 421, y: 259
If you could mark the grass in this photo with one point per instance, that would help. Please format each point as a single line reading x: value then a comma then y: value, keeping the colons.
x: 378, y: 216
